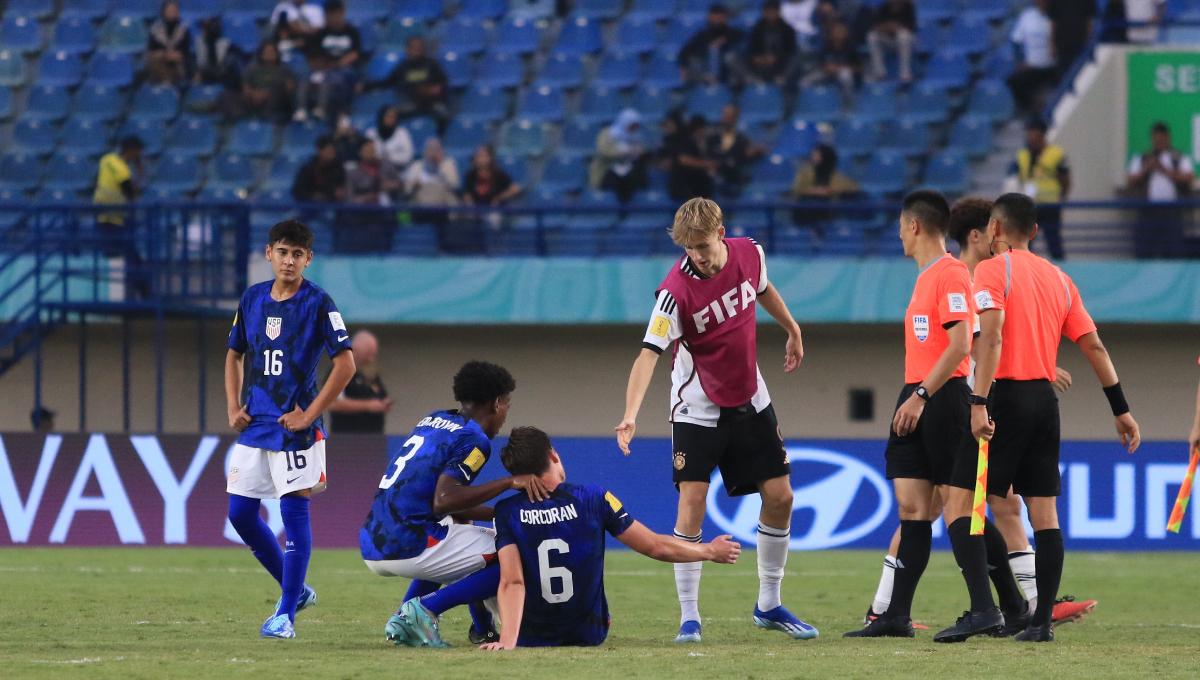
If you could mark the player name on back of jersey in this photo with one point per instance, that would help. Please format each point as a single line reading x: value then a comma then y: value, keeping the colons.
x: 733, y: 303
x: 440, y: 424
x: 550, y: 515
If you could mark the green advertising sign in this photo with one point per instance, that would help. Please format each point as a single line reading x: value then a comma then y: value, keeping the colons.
x: 1165, y: 86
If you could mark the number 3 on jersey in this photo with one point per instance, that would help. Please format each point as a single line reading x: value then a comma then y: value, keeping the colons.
x: 272, y: 362
x: 415, y: 442
x: 549, y: 573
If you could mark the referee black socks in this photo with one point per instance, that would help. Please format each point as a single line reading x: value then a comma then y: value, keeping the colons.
x: 916, y: 539
x: 971, y: 555
x: 1049, y: 560
x: 1011, y: 599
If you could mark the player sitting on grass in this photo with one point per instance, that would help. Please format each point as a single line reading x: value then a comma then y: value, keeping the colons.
x: 557, y: 546
x: 280, y: 329
x: 410, y: 530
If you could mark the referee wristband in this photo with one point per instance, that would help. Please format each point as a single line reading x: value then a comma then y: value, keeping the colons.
x: 1116, y: 400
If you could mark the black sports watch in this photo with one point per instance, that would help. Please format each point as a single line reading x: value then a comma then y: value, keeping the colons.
x: 922, y: 392
x: 976, y: 400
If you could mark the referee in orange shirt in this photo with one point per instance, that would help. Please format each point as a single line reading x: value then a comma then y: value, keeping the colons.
x: 1025, y: 306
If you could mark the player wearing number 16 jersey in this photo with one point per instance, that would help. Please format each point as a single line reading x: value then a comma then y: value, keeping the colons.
x: 278, y: 335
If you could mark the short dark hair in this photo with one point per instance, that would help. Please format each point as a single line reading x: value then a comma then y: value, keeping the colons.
x: 291, y: 232
x: 1017, y: 211
x: 967, y: 215
x: 527, y: 451
x: 335, y: 6
x: 1160, y: 126
x: 324, y: 141
x: 771, y: 4
x: 131, y: 143
x: 718, y: 8
x: 480, y: 382
x: 930, y: 208
x: 1036, y: 123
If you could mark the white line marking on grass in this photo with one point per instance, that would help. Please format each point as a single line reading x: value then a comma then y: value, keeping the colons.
x: 237, y: 660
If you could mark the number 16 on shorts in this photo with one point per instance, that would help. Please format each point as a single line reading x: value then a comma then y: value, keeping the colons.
x: 259, y: 473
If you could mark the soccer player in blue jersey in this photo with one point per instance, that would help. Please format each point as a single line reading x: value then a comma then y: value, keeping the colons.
x: 417, y: 524
x: 556, y: 546
x: 281, y: 329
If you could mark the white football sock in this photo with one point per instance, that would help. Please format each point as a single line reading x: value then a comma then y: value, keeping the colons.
x: 883, y: 594
x: 1022, y: 564
x: 687, y: 584
x: 773, y: 546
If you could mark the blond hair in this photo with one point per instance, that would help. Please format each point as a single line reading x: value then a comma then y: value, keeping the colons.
x: 695, y: 220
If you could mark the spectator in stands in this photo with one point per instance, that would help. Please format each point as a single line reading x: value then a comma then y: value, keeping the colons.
x: 363, y: 406
x: 370, y: 181
x: 347, y: 140
x: 1161, y: 175
x: 820, y: 179
x: 708, y: 56
x: 169, y: 47
x: 333, y: 61
x: 771, y: 52
x: 1036, y: 67
x: 422, y: 82
x: 690, y: 170
x: 218, y: 62
x: 1150, y: 14
x: 300, y: 19
x: 392, y: 141
x: 434, y: 180
x: 1041, y: 172
x: 619, y: 162
x: 733, y: 152
x: 486, y: 183
x: 267, y: 88
x: 1071, y: 24
x: 895, y: 28
x: 838, y: 61
x: 119, y: 183
x: 807, y: 17
x: 322, y: 179
x: 42, y: 419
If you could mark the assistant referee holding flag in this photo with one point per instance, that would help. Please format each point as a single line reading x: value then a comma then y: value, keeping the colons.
x: 1025, y: 306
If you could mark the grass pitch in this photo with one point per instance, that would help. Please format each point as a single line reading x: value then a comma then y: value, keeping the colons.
x: 195, y: 613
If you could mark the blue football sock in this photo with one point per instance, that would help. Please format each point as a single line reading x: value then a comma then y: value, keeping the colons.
x: 299, y: 548
x: 420, y: 588
x: 481, y: 618
x: 256, y: 534
x: 478, y: 586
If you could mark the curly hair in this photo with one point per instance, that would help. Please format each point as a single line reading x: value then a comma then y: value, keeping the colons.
x: 527, y: 451
x: 480, y: 382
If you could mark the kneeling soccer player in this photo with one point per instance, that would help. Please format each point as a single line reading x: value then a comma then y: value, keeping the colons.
x: 557, y: 547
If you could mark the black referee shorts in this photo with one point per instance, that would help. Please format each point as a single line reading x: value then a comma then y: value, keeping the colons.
x: 746, y: 446
x: 941, y: 449
x: 1024, y: 450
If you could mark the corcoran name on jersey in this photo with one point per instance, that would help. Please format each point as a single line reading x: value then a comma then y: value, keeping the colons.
x: 725, y: 307
x: 550, y: 515
x: 439, y: 424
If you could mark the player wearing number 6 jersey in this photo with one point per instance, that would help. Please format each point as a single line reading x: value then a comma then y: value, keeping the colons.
x: 552, y: 551
x: 278, y: 334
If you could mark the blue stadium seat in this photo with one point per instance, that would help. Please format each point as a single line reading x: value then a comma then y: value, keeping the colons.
x: 876, y: 101
x: 856, y: 137
x: 533, y: 10
x: 463, y: 137
x: 517, y: 167
x: 84, y: 136
x: 123, y: 33
x: 6, y: 103
x: 19, y: 172
x: 86, y: 10
x: 458, y: 69
x: 371, y: 102
x: 482, y: 9
x: 421, y: 129
x: 947, y: 172
x: 247, y: 9
x: 74, y: 35
x: 972, y: 134
x: 517, y: 36
x: 416, y: 240
x: 194, y: 137
x: 244, y: 34
x: 885, y: 174
x: 282, y: 173
x: 12, y: 69
x: 34, y: 137
x: 396, y: 32
x: 419, y: 10
x: 98, y: 102
x: 991, y: 98
x: 652, y: 102
x: 969, y: 34
x: 773, y: 174
x: 988, y: 10
x: 177, y: 174
x: 522, y: 138
x: 564, y: 174
x: 650, y: 10
x: 483, y: 104
x: 202, y: 99
x: 47, y: 103
x: 60, y: 69
x: 928, y: 103
x: 599, y: 105
x: 541, y: 104
x: 151, y: 132
x: 155, y: 103
x: 680, y: 27
x: 251, y: 138
x: 113, y: 69
x: 937, y: 10
x: 707, y: 101
x: 69, y: 173
x: 362, y: 12
x: 20, y: 34
x: 761, y: 103
x: 661, y: 71
x: 793, y: 241
x: 146, y: 10
x: 579, y: 36
x: 585, y: 243
x: 38, y: 9
x: 301, y: 138
x: 930, y: 35
x: 562, y: 70
x: 501, y: 70
x: 579, y: 136
x: 818, y: 103
x: 998, y: 64
x: 602, y: 10
x: 464, y: 37
x: 845, y: 239
x: 906, y: 136
x: 232, y: 171
x: 948, y: 68
x: 381, y: 65
x: 618, y: 70
x: 636, y: 35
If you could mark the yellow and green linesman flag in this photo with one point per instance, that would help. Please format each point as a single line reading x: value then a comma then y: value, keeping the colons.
x: 979, y: 507
x: 1185, y: 494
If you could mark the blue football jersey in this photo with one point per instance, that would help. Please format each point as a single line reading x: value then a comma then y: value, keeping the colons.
x: 281, y: 343
x: 402, y: 523
x: 561, y: 541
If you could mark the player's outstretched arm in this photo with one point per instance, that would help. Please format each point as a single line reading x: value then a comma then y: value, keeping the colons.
x: 635, y: 393
x: 1127, y: 428
x: 987, y: 361
x: 339, y: 377
x: 238, y: 417
x: 772, y: 301
x: 511, y: 599
x: 722, y: 549
x: 452, y: 496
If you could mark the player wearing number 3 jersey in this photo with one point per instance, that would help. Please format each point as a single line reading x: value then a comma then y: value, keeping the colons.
x: 278, y: 334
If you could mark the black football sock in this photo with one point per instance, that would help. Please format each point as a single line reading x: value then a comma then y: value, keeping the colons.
x: 971, y: 555
x: 1011, y: 599
x: 916, y: 537
x: 1049, y: 561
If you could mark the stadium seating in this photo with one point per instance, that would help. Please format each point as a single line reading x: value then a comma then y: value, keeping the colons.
x: 124, y: 33
x: 60, y: 69
x: 47, y: 103
x: 517, y: 36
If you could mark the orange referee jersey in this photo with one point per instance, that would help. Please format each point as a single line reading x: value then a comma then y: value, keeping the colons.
x: 1041, y: 304
x: 941, y: 297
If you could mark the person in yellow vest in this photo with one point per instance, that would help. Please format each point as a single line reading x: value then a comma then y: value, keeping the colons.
x: 117, y: 184
x: 1041, y: 172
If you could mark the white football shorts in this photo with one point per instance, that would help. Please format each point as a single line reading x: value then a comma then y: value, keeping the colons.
x: 465, y: 550
x: 259, y: 473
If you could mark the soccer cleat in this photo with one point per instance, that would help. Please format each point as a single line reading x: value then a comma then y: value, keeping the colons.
x: 478, y: 637
x: 783, y: 620
x: 308, y: 598
x: 689, y: 631
x: 278, y: 627
x: 970, y: 624
x: 871, y: 616
x: 1042, y: 633
x: 422, y: 624
x: 1014, y: 622
x: 1066, y: 609
x: 397, y: 632
x: 884, y: 626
